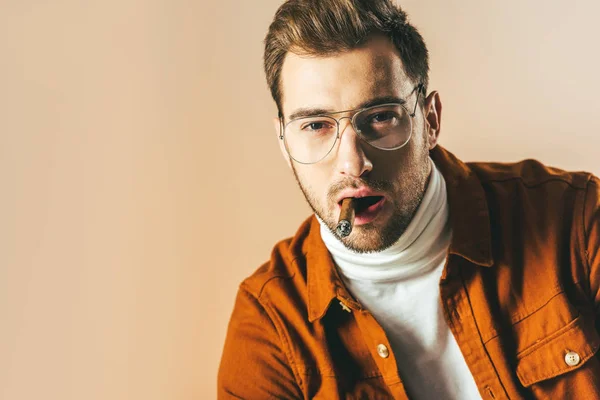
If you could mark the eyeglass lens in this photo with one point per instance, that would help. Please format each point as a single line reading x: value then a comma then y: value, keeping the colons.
x: 309, y: 140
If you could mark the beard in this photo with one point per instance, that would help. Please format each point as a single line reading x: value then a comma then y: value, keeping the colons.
x: 370, y: 237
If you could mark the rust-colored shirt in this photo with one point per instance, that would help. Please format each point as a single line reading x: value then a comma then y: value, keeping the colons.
x: 520, y: 292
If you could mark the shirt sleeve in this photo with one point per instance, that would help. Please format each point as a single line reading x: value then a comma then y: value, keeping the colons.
x: 254, y: 364
x: 592, y: 240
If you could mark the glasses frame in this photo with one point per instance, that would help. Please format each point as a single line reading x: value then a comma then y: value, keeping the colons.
x: 419, y: 88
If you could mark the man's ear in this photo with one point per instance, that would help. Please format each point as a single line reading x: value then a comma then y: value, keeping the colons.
x: 433, y: 118
x: 279, y: 130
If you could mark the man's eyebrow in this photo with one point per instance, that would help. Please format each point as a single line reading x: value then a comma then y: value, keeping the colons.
x: 311, y: 112
x: 382, y: 100
x: 308, y: 112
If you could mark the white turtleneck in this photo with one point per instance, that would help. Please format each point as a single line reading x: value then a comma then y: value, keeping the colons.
x: 400, y: 287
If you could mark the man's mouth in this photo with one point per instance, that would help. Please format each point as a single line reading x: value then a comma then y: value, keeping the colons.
x: 364, y: 203
x: 367, y: 203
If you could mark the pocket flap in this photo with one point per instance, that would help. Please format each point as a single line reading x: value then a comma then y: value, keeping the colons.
x: 548, y: 358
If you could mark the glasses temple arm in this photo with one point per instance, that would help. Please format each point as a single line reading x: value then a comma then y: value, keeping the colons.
x: 419, y: 89
x: 280, y: 116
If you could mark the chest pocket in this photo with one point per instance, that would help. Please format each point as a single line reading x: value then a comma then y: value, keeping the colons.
x: 566, y: 350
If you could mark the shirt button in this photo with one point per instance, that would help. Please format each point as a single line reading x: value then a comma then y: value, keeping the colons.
x: 383, y: 351
x: 572, y: 359
x: 345, y: 307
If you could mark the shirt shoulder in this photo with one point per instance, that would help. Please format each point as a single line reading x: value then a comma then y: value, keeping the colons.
x: 529, y: 172
x: 283, y: 264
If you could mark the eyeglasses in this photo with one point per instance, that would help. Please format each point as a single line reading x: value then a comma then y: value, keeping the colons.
x: 308, y: 140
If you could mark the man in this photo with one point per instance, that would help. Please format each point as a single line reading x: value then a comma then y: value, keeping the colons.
x: 457, y: 281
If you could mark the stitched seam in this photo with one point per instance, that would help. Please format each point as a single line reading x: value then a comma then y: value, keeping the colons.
x: 517, y: 318
x: 584, y: 229
x: 372, y: 375
x: 549, y: 338
x: 523, y: 317
x: 284, y: 341
x: 287, y: 351
x: 309, y: 297
x: 232, y: 394
x: 485, y: 349
x: 283, y: 277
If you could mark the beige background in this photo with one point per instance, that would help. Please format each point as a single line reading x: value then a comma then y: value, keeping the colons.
x: 141, y: 180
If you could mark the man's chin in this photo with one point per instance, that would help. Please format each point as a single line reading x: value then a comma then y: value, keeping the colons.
x: 367, y: 238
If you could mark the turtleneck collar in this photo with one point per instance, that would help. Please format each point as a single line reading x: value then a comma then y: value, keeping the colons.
x: 421, y: 247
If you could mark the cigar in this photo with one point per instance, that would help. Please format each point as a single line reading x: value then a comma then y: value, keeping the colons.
x: 346, y: 220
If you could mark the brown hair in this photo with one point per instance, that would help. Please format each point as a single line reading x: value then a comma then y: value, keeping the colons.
x: 328, y: 27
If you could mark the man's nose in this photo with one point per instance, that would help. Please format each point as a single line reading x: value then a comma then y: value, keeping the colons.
x: 352, y: 160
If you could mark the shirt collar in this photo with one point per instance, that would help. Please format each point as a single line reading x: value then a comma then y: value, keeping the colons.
x: 324, y: 282
x: 471, y: 237
x: 469, y: 213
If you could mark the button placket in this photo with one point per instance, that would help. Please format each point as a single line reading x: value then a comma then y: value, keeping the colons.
x: 460, y: 317
x: 377, y: 341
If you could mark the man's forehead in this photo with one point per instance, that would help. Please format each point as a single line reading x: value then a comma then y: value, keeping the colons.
x: 343, y: 80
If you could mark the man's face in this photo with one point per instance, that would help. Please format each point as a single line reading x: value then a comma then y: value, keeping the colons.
x: 396, y: 179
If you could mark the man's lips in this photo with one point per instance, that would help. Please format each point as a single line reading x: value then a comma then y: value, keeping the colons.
x: 357, y: 193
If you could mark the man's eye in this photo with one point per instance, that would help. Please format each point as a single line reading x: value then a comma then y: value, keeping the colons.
x: 316, y: 126
x: 382, y: 117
